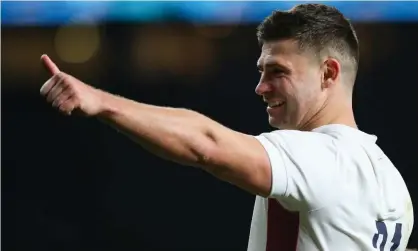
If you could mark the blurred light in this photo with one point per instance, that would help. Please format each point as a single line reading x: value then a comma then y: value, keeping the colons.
x: 214, y: 12
x: 172, y: 50
x: 77, y: 44
x: 215, y: 32
x: 21, y: 59
x: 204, y: 12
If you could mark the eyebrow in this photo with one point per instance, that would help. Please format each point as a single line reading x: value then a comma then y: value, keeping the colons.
x: 261, y: 67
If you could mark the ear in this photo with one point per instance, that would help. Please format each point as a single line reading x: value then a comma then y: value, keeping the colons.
x: 331, y: 72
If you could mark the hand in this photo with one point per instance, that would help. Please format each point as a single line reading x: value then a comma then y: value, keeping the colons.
x: 69, y: 94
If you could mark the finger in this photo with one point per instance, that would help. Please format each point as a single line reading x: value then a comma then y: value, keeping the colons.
x: 48, y: 85
x: 56, y: 90
x: 50, y: 66
x: 68, y: 106
x: 59, y: 100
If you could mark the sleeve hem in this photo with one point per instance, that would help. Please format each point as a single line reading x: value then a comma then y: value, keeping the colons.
x: 279, y: 176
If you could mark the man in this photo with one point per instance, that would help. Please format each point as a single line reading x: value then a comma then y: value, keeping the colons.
x: 321, y: 183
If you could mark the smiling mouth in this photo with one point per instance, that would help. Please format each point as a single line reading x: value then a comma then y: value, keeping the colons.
x: 275, y: 104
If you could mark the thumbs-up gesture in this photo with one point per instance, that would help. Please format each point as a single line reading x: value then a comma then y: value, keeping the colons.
x: 69, y: 94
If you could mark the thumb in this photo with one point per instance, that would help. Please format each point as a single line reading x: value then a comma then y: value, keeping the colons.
x: 50, y: 66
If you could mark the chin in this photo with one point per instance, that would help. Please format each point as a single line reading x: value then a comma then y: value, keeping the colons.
x: 276, y: 123
x: 280, y: 124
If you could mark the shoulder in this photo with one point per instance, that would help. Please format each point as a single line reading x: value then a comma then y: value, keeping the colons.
x: 292, y: 142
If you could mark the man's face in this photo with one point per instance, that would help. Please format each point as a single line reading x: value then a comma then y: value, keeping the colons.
x: 290, y: 83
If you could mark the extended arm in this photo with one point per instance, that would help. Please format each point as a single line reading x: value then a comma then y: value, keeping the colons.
x: 189, y: 138
x: 180, y: 135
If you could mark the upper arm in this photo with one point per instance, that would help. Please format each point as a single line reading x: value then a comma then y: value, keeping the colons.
x: 295, y: 167
x: 239, y: 159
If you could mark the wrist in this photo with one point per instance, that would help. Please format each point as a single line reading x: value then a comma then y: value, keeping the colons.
x: 107, y: 105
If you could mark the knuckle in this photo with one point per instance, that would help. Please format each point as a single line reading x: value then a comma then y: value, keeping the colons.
x: 60, y: 75
x: 50, y: 98
x: 56, y: 78
x: 65, y: 83
x: 61, y: 79
x: 56, y: 103
x: 63, y: 110
x: 60, y: 100
x: 75, y: 98
x: 71, y: 92
x: 64, y: 107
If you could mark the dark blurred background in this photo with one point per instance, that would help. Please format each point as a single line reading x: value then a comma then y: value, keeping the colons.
x: 71, y: 183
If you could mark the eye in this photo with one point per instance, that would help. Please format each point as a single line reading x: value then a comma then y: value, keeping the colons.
x: 277, y: 71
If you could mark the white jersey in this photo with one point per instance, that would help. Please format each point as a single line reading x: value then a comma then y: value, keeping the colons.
x: 333, y: 189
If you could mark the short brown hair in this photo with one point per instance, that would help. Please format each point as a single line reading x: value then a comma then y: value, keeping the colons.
x: 314, y: 26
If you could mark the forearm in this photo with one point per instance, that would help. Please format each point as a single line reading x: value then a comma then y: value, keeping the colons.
x: 180, y: 135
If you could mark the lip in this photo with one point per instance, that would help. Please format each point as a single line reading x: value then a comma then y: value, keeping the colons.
x: 271, y: 109
x: 274, y: 101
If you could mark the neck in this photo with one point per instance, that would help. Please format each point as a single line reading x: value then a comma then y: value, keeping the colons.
x: 332, y: 112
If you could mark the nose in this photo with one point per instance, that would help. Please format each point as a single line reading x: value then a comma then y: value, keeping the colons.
x: 262, y: 88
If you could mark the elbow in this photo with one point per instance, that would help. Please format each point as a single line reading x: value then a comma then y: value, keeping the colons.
x: 208, y: 160
x: 205, y: 144
x: 204, y: 152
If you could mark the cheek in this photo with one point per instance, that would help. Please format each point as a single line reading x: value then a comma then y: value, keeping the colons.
x: 296, y: 93
x: 307, y: 97
x: 308, y: 92
x: 301, y: 94
x: 284, y: 88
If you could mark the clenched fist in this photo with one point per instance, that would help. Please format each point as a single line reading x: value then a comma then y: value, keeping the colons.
x: 69, y: 94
